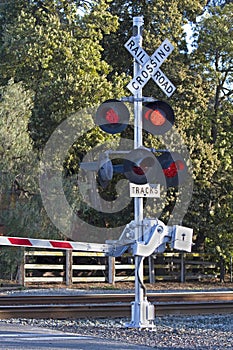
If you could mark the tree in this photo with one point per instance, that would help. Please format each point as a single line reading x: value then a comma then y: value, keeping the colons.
x: 17, y: 161
x: 57, y: 54
x: 217, y: 65
x: 16, y: 147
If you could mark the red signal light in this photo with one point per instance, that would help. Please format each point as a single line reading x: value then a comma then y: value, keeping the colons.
x: 140, y: 166
x: 174, y: 168
x: 171, y: 171
x: 144, y: 166
x: 158, y: 117
x: 138, y: 170
x: 112, y: 116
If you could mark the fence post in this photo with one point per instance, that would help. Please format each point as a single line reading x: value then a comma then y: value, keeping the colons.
x: 182, y: 267
x: 21, y: 270
x: 222, y: 269
x: 69, y: 270
x: 151, y: 269
x: 230, y: 268
x: 111, y: 269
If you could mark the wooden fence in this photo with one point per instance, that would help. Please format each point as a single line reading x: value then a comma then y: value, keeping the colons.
x: 70, y: 267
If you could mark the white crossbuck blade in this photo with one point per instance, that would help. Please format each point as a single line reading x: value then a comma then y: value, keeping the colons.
x: 150, y: 66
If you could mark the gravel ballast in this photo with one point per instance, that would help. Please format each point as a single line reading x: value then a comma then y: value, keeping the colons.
x: 202, y: 332
x: 206, y: 332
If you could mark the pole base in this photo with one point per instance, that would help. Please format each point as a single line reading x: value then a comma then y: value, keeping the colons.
x: 142, y: 315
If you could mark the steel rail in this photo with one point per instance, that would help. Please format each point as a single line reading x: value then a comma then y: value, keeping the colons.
x: 115, y: 297
x: 112, y: 305
x: 109, y: 310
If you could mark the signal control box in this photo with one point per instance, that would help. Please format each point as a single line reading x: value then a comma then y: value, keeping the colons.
x: 182, y: 238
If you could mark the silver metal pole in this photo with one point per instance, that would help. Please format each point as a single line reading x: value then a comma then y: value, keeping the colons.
x: 138, y: 310
x: 138, y: 202
x: 142, y: 312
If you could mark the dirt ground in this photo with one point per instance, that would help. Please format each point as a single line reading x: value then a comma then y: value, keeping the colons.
x: 197, y: 285
x: 158, y: 286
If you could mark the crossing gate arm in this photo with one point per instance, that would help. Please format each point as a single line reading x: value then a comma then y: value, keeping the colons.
x: 54, y: 244
x: 156, y: 235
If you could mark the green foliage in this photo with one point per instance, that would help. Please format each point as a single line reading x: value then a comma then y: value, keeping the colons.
x: 15, y: 111
x: 216, y: 63
x: 57, y: 54
x: 17, y: 162
x: 162, y: 19
x: 14, y: 255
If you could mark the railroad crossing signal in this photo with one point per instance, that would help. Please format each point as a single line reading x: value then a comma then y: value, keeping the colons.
x: 150, y: 66
x: 140, y: 166
x: 145, y: 171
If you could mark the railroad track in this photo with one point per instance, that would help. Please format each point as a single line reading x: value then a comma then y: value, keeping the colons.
x: 112, y: 305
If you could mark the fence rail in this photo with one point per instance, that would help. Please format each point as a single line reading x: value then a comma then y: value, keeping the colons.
x: 70, y: 267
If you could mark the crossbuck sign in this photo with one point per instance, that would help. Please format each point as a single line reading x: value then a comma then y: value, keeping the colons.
x: 150, y: 66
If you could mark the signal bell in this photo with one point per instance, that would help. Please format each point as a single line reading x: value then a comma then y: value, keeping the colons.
x: 112, y: 116
x: 158, y: 117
